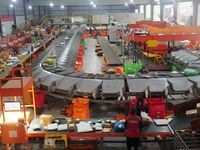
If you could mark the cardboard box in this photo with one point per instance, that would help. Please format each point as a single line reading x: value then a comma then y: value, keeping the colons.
x: 45, y: 120
x: 71, y: 127
x: 106, y: 125
x: 198, y: 108
x: 101, y: 74
x: 192, y: 112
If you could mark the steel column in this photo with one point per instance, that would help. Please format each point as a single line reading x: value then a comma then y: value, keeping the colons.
x: 145, y: 11
x: 8, y: 11
x: 195, y: 12
x: 33, y: 11
x: 24, y: 9
x: 161, y: 10
x: 175, y: 4
x: 14, y: 15
x: 39, y: 11
x: 152, y: 9
x: 45, y: 11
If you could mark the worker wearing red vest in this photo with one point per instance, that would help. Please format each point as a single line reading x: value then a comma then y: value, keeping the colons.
x: 133, y: 129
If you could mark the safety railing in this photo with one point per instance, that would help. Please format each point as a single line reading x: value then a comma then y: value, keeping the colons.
x: 186, y: 140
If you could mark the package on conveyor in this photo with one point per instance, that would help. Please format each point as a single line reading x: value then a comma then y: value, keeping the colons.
x: 45, y: 119
x: 106, y: 125
x: 198, y: 108
x: 192, y: 112
x: 101, y: 74
x: 71, y: 127
x: 107, y: 130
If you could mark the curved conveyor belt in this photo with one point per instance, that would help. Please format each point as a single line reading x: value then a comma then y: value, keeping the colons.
x: 65, y: 80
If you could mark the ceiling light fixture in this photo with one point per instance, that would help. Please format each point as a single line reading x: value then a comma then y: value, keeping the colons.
x: 126, y: 4
x: 29, y: 7
x: 131, y: 1
x: 14, y: 1
x: 94, y: 5
x: 51, y: 4
x: 62, y: 6
x: 11, y: 5
x: 91, y: 2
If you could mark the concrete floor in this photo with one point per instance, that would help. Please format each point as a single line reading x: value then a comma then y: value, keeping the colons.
x: 91, y: 62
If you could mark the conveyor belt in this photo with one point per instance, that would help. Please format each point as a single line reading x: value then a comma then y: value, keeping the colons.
x: 89, y: 87
x: 114, y: 76
x: 67, y: 72
x: 76, y: 74
x: 158, y: 85
x: 113, y: 88
x: 88, y: 76
x: 69, y: 55
x: 67, y: 85
x: 194, y: 79
x: 38, y: 77
x: 105, y: 76
x: 181, y: 122
x: 153, y: 128
x: 147, y: 131
x: 46, y: 53
x: 50, y: 81
x: 111, y: 58
x: 186, y: 58
x: 137, y: 85
x: 180, y: 85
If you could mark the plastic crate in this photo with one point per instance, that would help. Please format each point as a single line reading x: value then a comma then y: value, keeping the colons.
x: 132, y: 68
x: 128, y: 68
x: 157, y: 108
x: 39, y: 98
x: 174, y: 68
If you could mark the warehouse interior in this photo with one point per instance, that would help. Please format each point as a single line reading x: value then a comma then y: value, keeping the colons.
x: 71, y: 70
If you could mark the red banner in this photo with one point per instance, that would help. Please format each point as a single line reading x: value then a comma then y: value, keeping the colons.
x: 6, y: 19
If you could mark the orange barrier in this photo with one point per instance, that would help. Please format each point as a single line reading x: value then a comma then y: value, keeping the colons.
x: 79, y: 60
x: 174, y: 30
x: 78, y: 66
x: 159, y: 24
x: 81, y: 48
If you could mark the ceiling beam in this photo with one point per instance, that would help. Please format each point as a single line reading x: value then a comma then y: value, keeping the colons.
x: 85, y: 2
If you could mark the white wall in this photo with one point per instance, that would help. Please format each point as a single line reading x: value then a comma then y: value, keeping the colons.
x: 7, y: 26
x: 127, y: 18
x: 148, y: 12
x: 20, y: 21
x: 100, y: 19
x: 156, y: 13
x: 185, y: 12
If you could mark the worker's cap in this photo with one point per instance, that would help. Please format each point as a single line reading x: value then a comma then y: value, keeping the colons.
x: 140, y: 99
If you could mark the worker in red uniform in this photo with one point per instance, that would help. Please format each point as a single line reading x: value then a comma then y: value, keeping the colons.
x: 133, y: 129
x: 140, y: 106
